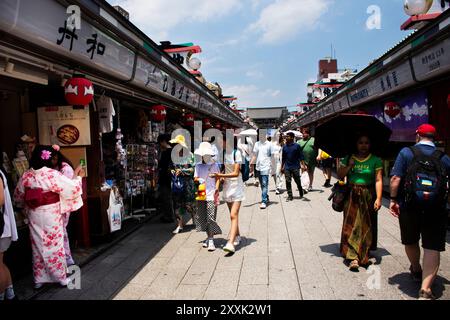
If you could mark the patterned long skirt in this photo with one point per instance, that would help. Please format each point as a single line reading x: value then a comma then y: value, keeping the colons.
x: 205, y: 218
x: 356, y: 237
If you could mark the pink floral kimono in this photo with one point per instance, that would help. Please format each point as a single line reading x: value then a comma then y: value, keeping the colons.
x: 67, y: 170
x: 46, y: 221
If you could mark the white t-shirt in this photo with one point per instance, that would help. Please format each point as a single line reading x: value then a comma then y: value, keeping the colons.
x: 203, y: 171
x: 235, y: 157
x: 263, y: 152
x: 276, y: 155
x: 105, y: 112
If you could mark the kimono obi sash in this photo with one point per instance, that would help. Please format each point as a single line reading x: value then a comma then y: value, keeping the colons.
x: 35, y: 198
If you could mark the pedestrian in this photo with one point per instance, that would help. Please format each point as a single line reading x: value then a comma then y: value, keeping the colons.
x: 310, y: 154
x: 292, y: 160
x: 183, y: 192
x: 262, y: 155
x: 420, y: 205
x: 165, y: 165
x: 63, y: 165
x: 364, y: 173
x: 326, y: 161
x: 47, y: 195
x: 206, y: 214
x: 276, y: 164
x: 233, y: 193
x: 8, y: 234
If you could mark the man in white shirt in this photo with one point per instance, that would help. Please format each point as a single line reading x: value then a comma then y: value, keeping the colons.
x: 263, y: 151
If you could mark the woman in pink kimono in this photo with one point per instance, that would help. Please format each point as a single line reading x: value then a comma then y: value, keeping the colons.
x: 47, y: 196
x: 61, y: 164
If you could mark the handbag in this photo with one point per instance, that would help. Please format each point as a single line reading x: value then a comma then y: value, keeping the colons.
x: 339, y: 194
x: 114, y: 213
x: 305, y: 180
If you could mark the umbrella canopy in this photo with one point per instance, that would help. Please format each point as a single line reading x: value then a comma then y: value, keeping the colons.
x: 249, y: 132
x: 297, y: 134
x: 338, y: 135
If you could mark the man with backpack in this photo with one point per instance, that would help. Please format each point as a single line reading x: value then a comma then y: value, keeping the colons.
x: 419, y: 194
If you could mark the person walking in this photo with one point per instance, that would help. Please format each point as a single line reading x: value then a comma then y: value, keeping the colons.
x: 63, y: 165
x: 277, y: 163
x: 421, y: 216
x: 183, y: 188
x: 262, y: 155
x: 165, y: 165
x: 8, y: 234
x: 292, y: 159
x: 246, y: 150
x: 364, y: 173
x: 47, y: 195
x: 326, y: 162
x: 206, y: 214
x: 310, y: 154
x: 233, y: 193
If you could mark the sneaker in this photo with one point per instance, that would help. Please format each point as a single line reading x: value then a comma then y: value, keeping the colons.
x: 229, y: 248
x: 177, y: 230
x: 277, y: 191
x: 37, y: 286
x: 211, y: 246
x: 64, y: 283
x: 416, y: 276
x: 289, y: 199
x: 310, y: 189
x: 263, y: 205
x: 237, y: 241
x: 423, y: 295
x: 205, y: 243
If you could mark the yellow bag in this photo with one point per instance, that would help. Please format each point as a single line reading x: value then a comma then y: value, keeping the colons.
x: 324, y: 155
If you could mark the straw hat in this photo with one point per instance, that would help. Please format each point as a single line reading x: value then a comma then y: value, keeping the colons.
x: 204, y: 149
x: 179, y: 139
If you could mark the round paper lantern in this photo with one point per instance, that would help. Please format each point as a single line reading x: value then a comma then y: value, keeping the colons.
x: 189, y: 119
x: 218, y: 126
x: 78, y: 91
x: 392, y: 109
x: 207, y: 123
x: 416, y: 7
x: 158, y: 113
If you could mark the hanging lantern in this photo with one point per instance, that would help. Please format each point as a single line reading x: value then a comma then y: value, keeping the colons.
x: 416, y: 7
x: 189, y: 119
x: 78, y: 90
x: 219, y: 126
x: 158, y: 113
x: 392, y: 109
x: 207, y: 123
x: 448, y: 101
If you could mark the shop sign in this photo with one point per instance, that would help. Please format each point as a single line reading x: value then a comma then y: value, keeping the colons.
x: 433, y: 61
x: 64, y: 125
x: 388, y: 82
x: 341, y: 104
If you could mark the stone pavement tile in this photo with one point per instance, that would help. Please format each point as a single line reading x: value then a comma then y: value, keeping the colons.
x: 310, y: 270
x: 201, y: 270
x: 233, y: 262
x: 311, y: 291
x: 220, y: 293
x: 225, y: 278
x: 283, y: 285
x: 184, y: 257
x: 164, y: 285
x: 189, y: 292
x: 131, y: 292
x: 146, y: 276
x: 254, y: 271
x: 252, y: 292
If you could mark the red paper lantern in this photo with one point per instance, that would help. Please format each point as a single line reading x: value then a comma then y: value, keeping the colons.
x: 392, y: 109
x: 219, y: 126
x: 189, y: 119
x: 78, y: 91
x: 207, y: 123
x: 158, y: 113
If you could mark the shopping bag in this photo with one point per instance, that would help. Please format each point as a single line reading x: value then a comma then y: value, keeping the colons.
x: 339, y: 194
x: 305, y: 180
x: 114, y: 213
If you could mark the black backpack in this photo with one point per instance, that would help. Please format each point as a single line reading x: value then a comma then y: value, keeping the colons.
x: 245, y: 167
x: 427, y: 182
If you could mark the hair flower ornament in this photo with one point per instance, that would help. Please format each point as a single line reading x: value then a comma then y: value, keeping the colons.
x: 56, y: 147
x: 45, y: 155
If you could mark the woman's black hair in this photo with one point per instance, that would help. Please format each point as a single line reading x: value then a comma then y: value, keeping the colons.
x: 61, y: 159
x: 37, y: 162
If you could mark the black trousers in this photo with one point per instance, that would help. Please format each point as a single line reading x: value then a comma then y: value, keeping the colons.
x: 165, y: 201
x: 289, y: 174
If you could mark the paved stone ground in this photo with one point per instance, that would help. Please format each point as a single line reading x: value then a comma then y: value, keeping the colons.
x: 290, y: 251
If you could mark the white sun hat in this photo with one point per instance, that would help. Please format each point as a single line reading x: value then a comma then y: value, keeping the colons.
x: 204, y: 149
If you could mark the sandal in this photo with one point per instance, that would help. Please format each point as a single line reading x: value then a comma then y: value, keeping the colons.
x: 354, y: 265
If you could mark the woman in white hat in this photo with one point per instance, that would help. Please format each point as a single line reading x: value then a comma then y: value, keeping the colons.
x: 233, y: 192
x: 183, y: 188
x: 205, y: 217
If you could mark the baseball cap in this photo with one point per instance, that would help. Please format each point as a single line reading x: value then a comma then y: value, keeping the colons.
x: 426, y: 130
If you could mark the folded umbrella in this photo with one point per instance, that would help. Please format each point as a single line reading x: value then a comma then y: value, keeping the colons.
x: 337, y: 136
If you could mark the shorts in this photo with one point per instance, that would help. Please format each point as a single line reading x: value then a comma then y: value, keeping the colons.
x: 327, y: 163
x: 431, y: 225
x: 5, y: 243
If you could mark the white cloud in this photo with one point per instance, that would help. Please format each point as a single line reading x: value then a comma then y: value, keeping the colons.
x: 159, y: 17
x: 252, y: 96
x: 255, y: 74
x: 284, y: 19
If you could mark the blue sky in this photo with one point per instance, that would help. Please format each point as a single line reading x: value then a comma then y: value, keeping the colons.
x: 265, y: 51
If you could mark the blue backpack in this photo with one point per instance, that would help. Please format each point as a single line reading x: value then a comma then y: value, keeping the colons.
x: 245, y: 167
x: 177, y: 184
